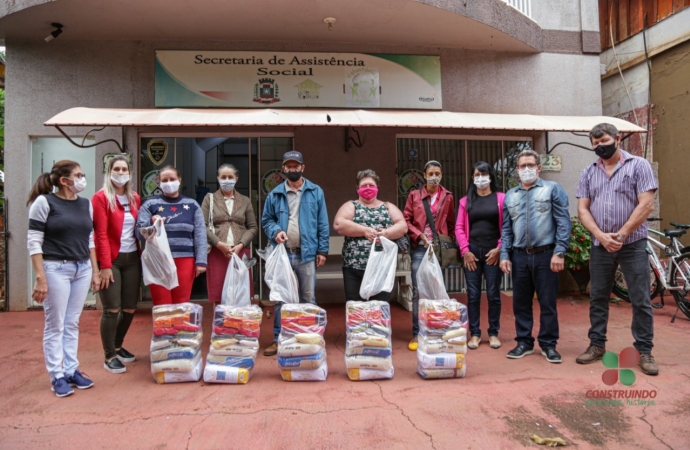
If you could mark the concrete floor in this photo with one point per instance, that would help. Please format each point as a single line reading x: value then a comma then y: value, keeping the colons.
x: 499, y: 405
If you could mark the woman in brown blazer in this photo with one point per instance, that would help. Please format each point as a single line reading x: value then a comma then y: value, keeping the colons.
x: 234, y: 228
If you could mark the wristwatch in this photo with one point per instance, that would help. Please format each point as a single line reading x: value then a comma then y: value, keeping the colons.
x: 560, y: 254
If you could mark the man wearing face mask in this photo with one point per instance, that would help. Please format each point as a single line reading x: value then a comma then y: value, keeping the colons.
x: 295, y: 215
x: 534, y: 239
x: 615, y: 197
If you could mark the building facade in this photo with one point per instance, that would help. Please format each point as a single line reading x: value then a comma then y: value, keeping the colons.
x: 502, y: 59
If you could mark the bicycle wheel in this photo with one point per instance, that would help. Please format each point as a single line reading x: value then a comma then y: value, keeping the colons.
x: 620, y: 287
x: 677, y: 272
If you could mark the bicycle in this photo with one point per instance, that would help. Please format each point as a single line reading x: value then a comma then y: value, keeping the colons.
x: 676, y: 280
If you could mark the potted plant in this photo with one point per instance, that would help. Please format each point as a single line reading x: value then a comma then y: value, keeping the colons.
x: 577, y: 256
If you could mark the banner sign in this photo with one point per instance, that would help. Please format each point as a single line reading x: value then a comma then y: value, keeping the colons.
x: 296, y: 80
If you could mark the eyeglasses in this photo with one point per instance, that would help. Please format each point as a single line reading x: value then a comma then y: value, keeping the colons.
x: 527, y: 166
x: 77, y: 175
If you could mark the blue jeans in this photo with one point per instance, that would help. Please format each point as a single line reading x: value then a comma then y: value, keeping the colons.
x: 492, y: 275
x: 306, y: 279
x: 416, y: 255
x: 533, y: 273
x: 68, y: 284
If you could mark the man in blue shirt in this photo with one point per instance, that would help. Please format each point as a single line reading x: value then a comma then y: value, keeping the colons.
x: 534, y: 239
x: 295, y: 215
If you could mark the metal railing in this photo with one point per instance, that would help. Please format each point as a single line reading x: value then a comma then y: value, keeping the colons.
x: 454, y: 279
x: 524, y: 6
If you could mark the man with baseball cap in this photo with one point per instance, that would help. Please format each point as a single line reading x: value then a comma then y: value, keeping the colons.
x: 295, y: 215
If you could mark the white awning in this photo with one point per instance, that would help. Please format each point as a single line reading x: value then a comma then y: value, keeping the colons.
x: 178, y: 117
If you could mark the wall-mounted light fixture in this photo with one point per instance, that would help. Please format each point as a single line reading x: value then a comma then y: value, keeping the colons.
x: 330, y: 21
x: 56, y: 32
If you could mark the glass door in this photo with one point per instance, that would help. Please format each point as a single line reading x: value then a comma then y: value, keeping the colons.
x: 45, y: 152
x: 258, y: 161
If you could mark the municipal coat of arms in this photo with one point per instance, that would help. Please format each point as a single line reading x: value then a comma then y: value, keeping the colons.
x: 266, y: 91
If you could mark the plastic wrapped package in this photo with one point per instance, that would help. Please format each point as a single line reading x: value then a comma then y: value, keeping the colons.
x: 228, y: 375
x: 234, y: 344
x: 431, y: 374
x: 442, y: 339
x: 301, y: 347
x: 180, y: 377
x: 176, y: 343
x: 318, y: 374
x: 368, y: 349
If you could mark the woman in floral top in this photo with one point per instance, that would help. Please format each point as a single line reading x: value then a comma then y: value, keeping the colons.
x: 362, y: 221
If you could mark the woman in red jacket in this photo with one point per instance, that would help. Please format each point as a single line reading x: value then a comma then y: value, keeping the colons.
x: 442, y: 208
x: 115, y: 210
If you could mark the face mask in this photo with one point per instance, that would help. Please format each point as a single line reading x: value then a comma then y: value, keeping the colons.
x: 79, y: 185
x: 528, y: 175
x: 293, y: 176
x: 368, y: 192
x: 482, y: 181
x: 433, y: 181
x: 119, y: 180
x: 605, y: 151
x: 170, y: 187
x: 227, y: 185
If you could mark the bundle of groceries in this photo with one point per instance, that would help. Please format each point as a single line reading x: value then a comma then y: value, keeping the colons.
x: 234, y: 344
x: 176, y: 343
x: 442, y: 339
x: 368, y: 350
x: 301, y: 347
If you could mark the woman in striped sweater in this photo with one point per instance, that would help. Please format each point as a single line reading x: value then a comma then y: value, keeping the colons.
x: 184, y: 225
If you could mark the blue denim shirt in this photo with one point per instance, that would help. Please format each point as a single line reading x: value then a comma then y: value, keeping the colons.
x: 535, y: 217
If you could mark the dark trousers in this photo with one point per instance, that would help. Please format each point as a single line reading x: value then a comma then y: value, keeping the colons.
x: 532, y: 273
x: 493, y: 276
x: 634, y: 262
x: 416, y: 256
x: 120, y: 295
x: 352, y: 279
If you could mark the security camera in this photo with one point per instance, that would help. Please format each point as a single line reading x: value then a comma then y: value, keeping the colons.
x: 55, y: 33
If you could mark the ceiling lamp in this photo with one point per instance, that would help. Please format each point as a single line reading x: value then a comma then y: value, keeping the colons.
x: 330, y: 21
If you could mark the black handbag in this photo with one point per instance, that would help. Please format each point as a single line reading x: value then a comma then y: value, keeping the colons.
x: 403, y: 242
x: 445, y: 249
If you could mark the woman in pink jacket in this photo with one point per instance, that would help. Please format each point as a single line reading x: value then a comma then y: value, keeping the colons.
x: 478, y: 231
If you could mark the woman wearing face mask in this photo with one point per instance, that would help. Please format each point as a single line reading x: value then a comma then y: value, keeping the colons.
x: 362, y: 221
x: 184, y: 225
x: 63, y: 255
x: 478, y: 232
x: 442, y: 206
x: 234, y: 228
x: 115, y: 210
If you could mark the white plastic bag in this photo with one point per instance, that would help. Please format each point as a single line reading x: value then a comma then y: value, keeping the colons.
x: 157, y: 263
x: 236, y: 285
x: 379, y: 275
x: 430, y: 278
x: 280, y: 277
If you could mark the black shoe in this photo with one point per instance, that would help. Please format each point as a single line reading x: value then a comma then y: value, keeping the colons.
x: 114, y: 366
x: 552, y: 355
x: 520, y: 351
x: 125, y: 356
